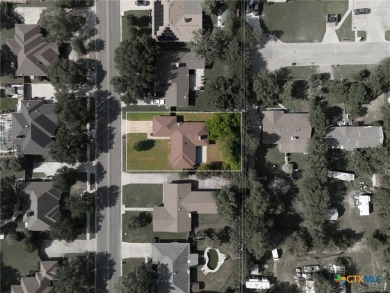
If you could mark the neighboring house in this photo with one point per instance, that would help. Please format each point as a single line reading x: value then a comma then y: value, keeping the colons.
x: 42, y: 282
x: 187, y: 140
x: 341, y: 175
x: 354, y: 137
x: 179, y: 202
x: 33, y: 127
x: 174, y: 262
x: 178, y: 75
x: 290, y: 131
x: 333, y: 214
x: 176, y: 20
x: 34, y: 55
x: 44, y: 209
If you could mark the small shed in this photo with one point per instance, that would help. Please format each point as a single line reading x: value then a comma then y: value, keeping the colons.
x: 275, y: 254
x: 258, y: 284
x: 333, y: 214
x: 364, y: 204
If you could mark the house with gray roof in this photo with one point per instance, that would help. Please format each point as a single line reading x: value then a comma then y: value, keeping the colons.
x: 354, y: 137
x: 44, y: 208
x: 179, y: 202
x: 179, y: 74
x: 33, y: 54
x: 41, y: 282
x: 174, y: 262
x: 33, y: 127
x: 176, y: 20
x: 290, y: 131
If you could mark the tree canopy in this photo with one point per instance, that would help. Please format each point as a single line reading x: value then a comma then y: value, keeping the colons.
x: 80, y: 205
x: 379, y: 80
x: 142, y: 280
x: 266, y: 88
x: 64, y: 178
x: 7, y: 198
x: 72, y: 110
x: 135, y: 60
x: 66, y: 74
x: 60, y: 24
x: 209, y: 6
x: 67, y: 228
x: 225, y: 93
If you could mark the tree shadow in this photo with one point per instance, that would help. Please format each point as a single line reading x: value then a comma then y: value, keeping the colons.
x: 9, y: 64
x: 104, y: 266
x: 9, y: 276
x: 164, y: 276
x: 100, y: 172
x: 106, y: 196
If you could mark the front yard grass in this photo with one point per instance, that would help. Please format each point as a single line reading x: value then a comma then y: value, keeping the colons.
x: 157, y: 158
x: 291, y: 20
x: 125, y: 25
x: 345, y: 33
x: 146, y: 234
x: 142, y: 195
x: 143, y: 116
x: 8, y: 105
x: 301, y: 72
x: 349, y: 71
x: 387, y: 35
x: 18, y: 258
x: 129, y: 264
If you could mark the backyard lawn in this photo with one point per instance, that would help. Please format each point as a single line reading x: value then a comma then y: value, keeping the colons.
x: 345, y: 32
x: 145, y: 234
x: 143, y: 116
x: 8, y: 105
x: 18, y: 258
x: 214, y: 153
x: 129, y: 264
x: 142, y: 195
x: 157, y: 158
x: 195, y: 116
x: 141, y: 15
x: 290, y: 20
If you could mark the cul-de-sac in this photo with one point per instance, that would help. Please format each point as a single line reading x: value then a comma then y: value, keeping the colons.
x: 177, y: 146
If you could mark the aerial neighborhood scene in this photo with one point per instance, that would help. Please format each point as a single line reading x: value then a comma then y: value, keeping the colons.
x: 225, y: 146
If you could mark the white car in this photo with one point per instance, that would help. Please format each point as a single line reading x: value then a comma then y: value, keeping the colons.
x: 158, y: 102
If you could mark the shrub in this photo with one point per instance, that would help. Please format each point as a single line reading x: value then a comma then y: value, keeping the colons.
x: 143, y: 145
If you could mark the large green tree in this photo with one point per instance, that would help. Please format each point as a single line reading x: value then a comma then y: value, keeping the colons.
x: 67, y: 228
x: 379, y: 80
x: 66, y: 74
x: 225, y: 93
x: 266, y: 88
x: 59, y: 24
x: 324, y: 282
x: 209, y: 6
x: 141, y: 280
x: 76, y: 275
x: 7, y: 198
x: 64, y: 178
x: 72, y: 110
x: 80, y: 205
x: 227, y: 201
x: 382, y: 205
x: 135, y: 60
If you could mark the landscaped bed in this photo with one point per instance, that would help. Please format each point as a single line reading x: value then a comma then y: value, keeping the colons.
x: 8, y: 104
x: 129, y: 264
x: 145, y: 234
x: 142, y: 195
x: 291, y: 20
x: 141, y: 15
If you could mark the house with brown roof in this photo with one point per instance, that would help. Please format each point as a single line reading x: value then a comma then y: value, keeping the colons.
x: 354, y: 137
x: 179, y: 202
x: 176, y: 20
x: 41, y: 282
x: 33, y: 54
x: 44, y: 208
x: 187, y: 140
x: 290, y: 131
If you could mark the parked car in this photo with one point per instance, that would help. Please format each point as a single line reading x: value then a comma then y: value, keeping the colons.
x: 311, y: 269
x: 333, y: 17
x: 141, y: 2
x: 158, y: 101
x: 256, y: 10
x: 361, y: 11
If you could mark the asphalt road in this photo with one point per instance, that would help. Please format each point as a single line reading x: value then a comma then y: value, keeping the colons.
x: 108, y: 138
x: 278, y: 54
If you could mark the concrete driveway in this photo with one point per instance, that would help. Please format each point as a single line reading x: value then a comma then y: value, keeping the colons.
x: 374, y: 23
x: 139, y: 126
x: 136, y: 250
x: 130, y: 5
x: 57, y: 248
x: 30, y: 14
x: 45, y: 90
x: 276, y: 54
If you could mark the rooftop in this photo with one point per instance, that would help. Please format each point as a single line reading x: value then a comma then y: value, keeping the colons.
x: 364, y: 205
x: 34, y: 55
x: 354, y: 137
x: 291, y: 131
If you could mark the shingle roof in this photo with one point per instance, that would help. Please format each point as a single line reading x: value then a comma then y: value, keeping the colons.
x: 176, y: 20
x: 291, y: 131
x: 354, y: 137
x: 179, y: 201
x: 173, y: 262
x: 176, y: 78
x: 34, y: 55
x: 34, y: 127
x: 44, y: 205
x: 184, y: 137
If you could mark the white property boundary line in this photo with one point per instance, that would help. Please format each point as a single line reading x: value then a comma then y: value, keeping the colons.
x: 178, y: 113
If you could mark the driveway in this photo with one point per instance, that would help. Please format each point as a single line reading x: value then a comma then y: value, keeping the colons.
x: 130, y: 5
x: 30, y: 14
x: 139, y: 126
x: 45, y: 90
x: 136, y: 250
x: 276, y: 54
x: 57, y: 248
x: 374, y: 23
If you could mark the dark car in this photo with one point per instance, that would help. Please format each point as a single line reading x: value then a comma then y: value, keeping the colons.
x: 256, y: 10
x: 333, y: 17
x: 361, y: 11
x: 141, y: 2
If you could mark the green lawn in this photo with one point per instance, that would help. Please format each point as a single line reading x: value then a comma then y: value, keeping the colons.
x: 126, y: 26
x: 6, y: 34
x: 300, y: 21
x: 348, y: 71
x: 157, y: 158
x: 143, y: 116
x: 129, y: 264
x: 195, y: 116
x: 145, y: 234
x: 362, y: 35
x: 8, y: 104
x: 345, y: 32
x: 387, y: 35
x: 301, y: 72
x: 142, y: 195
x: 17, y: 257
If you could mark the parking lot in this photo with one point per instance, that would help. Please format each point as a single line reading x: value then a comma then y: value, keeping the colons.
x: 374, y: 23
